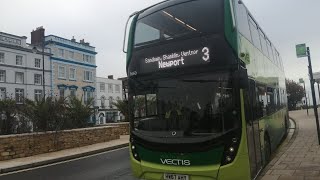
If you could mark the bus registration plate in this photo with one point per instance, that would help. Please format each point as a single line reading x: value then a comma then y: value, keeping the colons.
x: 175, y: 177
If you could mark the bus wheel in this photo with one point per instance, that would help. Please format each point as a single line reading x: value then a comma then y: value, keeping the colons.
x: 267, y: 149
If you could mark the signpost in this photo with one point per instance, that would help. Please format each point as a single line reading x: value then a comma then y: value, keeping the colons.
x: 303, y: 51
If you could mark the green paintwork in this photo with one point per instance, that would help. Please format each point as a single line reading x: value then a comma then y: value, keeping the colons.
x: 230, y: 32
x: 261, y: 69
x: 131, y: 39
x: 240, y: 167
x: 197, y: 159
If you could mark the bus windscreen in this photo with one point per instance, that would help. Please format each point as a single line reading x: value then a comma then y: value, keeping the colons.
x: 190, y: 106
x: 187, y: 18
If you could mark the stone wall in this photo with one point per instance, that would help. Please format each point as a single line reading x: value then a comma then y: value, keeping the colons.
x: 123, y: 128
x: 23, y: 145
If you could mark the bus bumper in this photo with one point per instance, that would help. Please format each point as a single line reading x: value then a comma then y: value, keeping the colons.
x: 234, y: 170
x: 152, y: 171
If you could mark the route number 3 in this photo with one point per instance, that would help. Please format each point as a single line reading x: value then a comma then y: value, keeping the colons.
x: 206, y: 55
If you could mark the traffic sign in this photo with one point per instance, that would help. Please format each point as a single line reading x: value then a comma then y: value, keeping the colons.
x: 301, y: 50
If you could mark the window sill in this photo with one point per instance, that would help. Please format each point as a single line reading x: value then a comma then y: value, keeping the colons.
x: 88, y: 81
x: 61, y: 78
x: 72, y: 79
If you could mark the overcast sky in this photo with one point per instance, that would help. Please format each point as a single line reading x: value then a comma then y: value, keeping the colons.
x: 286, y: 23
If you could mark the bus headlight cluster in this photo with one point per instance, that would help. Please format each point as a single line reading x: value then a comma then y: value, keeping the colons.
x: 134, y: 152
x: 230, y: 151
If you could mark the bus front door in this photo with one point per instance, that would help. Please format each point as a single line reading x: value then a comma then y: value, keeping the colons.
x: 253, y: 131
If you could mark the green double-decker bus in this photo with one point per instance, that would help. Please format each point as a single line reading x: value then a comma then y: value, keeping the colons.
x: 206, y: 92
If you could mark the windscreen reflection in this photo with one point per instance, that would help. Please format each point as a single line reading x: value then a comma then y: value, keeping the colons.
x: 204, y: 105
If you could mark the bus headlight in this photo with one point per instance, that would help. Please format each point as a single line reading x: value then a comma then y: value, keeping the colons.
x: 134, y: 152
x: 228, y: 159
x: 230, y: 150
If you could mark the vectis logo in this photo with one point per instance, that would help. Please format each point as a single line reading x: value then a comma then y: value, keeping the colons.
x: 176, y: 162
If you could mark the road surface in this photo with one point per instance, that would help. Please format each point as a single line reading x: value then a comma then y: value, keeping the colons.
x: 104, y: 166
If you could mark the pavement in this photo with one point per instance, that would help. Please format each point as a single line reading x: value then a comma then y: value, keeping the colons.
x: 59, y: 156
x: 299, y: 157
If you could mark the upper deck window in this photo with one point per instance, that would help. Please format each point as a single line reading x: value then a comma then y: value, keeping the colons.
x: 188, y: 18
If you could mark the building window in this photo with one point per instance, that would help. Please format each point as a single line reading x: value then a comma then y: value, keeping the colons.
x: 61, y: 93
x: 37, y: 95
x: 3, y: 93
x: 72, y: 73
x: 86, y: 58
x: 2, y: 76
x: 62, y: 72
x: 88, y: 95
x: 117, y: 88
x: 110, y: 102
x: 73, y: 92
x: 71, y: 54
x: 19, y: 77
x: 37, y: 63
x: 19, y: 60
x: 61, y: 52
x: 102, y: 87
x: 88, y: 75
x: 19, y: 95
x: 110, y: 116
x: 110, y: 89
x: 103, y: 101
x: 37, y: 79
x: 1, y: 57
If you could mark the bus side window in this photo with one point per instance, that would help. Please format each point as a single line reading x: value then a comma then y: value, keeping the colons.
x: 261, y: 99
x: 242, y: 20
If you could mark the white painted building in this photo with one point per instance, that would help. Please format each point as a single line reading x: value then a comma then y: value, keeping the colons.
x: 21, y: 69
x: 108, y: 90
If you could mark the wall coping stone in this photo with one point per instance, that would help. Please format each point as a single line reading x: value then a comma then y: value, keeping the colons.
x: 52, y: 132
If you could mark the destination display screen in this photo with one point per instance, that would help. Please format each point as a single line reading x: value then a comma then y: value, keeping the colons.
x: 178, y: 59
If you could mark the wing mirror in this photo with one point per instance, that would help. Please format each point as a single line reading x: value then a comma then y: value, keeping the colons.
x: 241, y: 78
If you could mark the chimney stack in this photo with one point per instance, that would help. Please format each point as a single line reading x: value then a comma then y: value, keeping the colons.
x: 37, y: 36
x: 73, y: 39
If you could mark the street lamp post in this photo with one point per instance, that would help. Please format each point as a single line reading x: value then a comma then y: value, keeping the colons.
x: 315, y: 108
